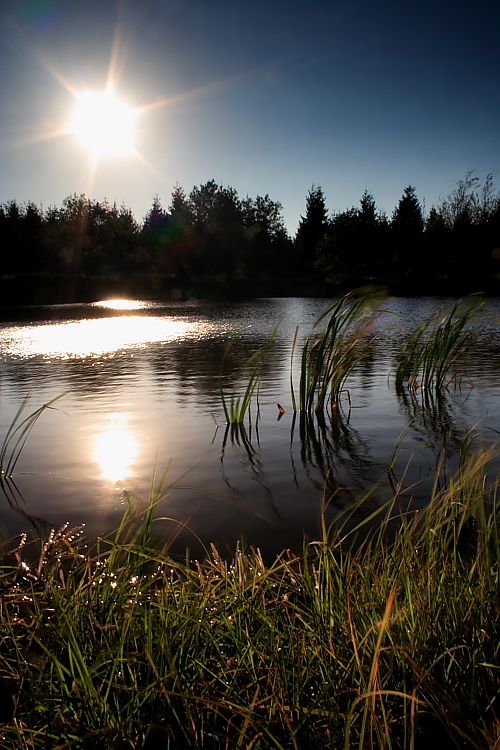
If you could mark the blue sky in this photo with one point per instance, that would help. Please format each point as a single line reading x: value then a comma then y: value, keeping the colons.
x: 268, y: 97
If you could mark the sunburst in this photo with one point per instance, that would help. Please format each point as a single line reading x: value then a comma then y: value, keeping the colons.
x: 102, y: 120
x: 104, y: 124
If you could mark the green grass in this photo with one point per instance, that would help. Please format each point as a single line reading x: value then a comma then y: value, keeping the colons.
x: 389, y: 642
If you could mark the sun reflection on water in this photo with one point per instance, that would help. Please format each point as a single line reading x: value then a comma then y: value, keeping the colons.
x: 121, y: 304
x: 115, y: 448
x: 84, y: 338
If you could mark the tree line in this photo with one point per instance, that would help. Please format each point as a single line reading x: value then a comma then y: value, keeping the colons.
x: 455, y: 248
x: 211, y: 239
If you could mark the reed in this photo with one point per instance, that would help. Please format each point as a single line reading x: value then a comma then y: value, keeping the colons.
x: 237, y: 407
x: 392, y: 642
x: 328, y: 358
x: 429, y: 356
x: 17, y: 434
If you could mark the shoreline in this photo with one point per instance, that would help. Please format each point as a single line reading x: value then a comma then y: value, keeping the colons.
x: 52, y: 289
x: 395, y: 642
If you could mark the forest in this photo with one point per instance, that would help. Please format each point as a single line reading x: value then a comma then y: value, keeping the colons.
x: 211, y: 242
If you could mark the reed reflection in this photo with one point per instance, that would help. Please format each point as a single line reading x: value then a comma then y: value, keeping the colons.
x: 11, y: 492
x: 115, y: 448
x: 335, y: 458
x: 237, y: 436
x: 432, y: 418
x: 438, y: 422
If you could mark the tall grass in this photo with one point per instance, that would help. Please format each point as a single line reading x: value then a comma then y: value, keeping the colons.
x: 390, y: 643
x: 328, y: 358
x: 430, y: 354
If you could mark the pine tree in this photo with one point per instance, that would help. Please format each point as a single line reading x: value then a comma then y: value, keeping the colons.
x: 156, y: 218
x: 407, y: 234
x: 407, y: 219
x: 179, y: 208
x: 311, y: 230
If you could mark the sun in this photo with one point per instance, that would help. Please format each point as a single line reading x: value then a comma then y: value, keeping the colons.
x: 104, y: 124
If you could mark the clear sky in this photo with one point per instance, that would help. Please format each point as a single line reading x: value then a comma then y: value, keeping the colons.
x: 265, y: 96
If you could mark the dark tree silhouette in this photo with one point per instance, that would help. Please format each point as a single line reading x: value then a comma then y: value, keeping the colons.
x: 408, y: 218
x: 311, y: 231
x: 155, y: 237
x: 269, y: 247
x: 180, y: 209
x: 202, y: 200
x: 437, y: 243
x: 335, y: 251
x: 21, y: 235
x: 218, y: 224
x: 178, y: 246
x: 354, y: 250
x: 157, y: 217
x: 73, y: 242
x: 407, y: 233
x: 119, y: 240
x: 468, y: 212
x: 212, y: 242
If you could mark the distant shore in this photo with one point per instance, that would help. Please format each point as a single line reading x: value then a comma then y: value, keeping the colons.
x: 51, y: 288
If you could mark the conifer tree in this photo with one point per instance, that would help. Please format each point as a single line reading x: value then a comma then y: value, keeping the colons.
x: 407, y: 229
x: 311, y: 230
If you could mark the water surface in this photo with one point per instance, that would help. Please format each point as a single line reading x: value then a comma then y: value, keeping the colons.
x: 141, y: 404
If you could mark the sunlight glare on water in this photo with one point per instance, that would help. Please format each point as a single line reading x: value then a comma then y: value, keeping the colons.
x: 143, y: 394
x: 115, y: 448
x: 84, y: 338
x: 121, y: 304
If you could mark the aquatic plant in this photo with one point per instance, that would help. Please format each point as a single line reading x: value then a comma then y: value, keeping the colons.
x: 328, y: 358
x: 17, y: 434
x: 393, y: 642
x: 429, y: 356
x: 237, y: 407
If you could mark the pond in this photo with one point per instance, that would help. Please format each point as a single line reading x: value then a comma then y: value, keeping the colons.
x: 140, y: 406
